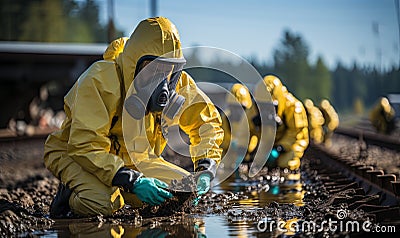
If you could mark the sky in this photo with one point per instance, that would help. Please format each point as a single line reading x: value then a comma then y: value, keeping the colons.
x: 337, y: 30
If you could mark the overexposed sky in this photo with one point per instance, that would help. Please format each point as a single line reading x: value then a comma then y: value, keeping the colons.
x: 335, y: 29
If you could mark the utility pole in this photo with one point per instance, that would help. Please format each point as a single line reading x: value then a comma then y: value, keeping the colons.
x: 396, y: 3
x: 153, y: 8
x: 111, y: 27
x: 375, y: 30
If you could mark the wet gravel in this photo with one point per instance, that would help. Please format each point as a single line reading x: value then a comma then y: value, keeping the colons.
x: 27, y: 188
x: 386, y: 159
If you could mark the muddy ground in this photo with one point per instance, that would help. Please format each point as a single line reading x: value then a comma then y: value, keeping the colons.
x: 27, y: 189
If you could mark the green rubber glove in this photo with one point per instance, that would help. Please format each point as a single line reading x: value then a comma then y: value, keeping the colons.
x: 203, y: 185
x: 151, y: 191
x: 273, y: 156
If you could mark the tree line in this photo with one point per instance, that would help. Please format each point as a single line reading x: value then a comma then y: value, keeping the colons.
x: 78, y: 21
x: 54, y: 21
x: 350, y: 89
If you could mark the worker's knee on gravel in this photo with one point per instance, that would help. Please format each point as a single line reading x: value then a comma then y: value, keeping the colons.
x: 88, y: 202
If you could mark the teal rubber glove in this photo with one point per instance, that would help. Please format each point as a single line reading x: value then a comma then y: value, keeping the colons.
x: 151, y: 191
x: 203, y: 186
x: 203, y: 183
x: 273, y: 156
x: 205, y: 171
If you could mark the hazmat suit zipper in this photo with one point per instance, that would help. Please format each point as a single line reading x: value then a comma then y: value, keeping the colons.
x: 158, y: 133
x: 114, y: 139
x: 115, y: 143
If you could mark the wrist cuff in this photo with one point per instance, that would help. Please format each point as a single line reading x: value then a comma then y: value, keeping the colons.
x: 126, y: 178
x: 206, y: 165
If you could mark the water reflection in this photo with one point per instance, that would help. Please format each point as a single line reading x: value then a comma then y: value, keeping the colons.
x: 260, y: 193
x: 281, y: 188
x: 188, y: 226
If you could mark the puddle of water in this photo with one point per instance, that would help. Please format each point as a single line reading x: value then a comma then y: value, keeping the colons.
x: 287, y: 191
x: 191, y: 226
x: 196, y: 225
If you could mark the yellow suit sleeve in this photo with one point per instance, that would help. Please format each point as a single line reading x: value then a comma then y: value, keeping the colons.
x: 201, y: 121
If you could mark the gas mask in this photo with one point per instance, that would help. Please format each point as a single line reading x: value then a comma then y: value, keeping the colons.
x: 154, y: 87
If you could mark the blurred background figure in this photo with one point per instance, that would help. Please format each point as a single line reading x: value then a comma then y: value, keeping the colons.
x: 239, y: 103
x: 40, y: 116
x: 315, y: 121
x: 291, y: 125
x: 382, y: 116
x: 331, y: 121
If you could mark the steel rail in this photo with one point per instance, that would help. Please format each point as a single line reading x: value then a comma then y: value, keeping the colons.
x: 372, y: 180
x: 371, y: 138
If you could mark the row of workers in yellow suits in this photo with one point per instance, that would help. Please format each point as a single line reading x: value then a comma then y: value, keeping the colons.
x: 296, y: 123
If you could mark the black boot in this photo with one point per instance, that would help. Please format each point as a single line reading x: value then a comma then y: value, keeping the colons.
x: 59, y: 207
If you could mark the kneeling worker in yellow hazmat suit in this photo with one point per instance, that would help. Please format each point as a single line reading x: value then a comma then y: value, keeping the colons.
x: 315, y: 121
x: 382, y: 116
x: 99, y: 168
x: 291, y: 124
x: 331, y: 121
x: 239, y: 97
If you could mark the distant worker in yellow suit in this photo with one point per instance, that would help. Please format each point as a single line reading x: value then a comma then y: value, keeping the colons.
x: 291, y: 124
x: 331, y: 120
x: 382, y: 116
x: 315, y: 121
x: 239, y: 101
x: 98, y: 167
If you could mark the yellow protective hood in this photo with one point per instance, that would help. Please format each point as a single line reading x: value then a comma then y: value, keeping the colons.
x: 308, y: 103
x: 273, y: 85
x: 241, y: 94
x: 115, y: 48
x: 152, y: 37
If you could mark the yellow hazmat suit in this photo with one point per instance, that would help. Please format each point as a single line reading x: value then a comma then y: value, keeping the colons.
x: 315, y: 121
x: 291, y: 118
x: 239, y: 102
x: 89, y: 149
x: 382, y: 116
x: 115, y: 48
x: 331, y: 121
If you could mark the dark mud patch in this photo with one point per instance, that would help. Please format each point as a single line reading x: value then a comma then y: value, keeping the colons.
x: 27, y: 189
x: 180, y: 203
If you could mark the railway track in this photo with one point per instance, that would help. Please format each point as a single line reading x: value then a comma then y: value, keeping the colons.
x: 338, y: 182
x: 356, y: 185
x: 371, y: 138
x: 7, y: 135
x: 14, y: 146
